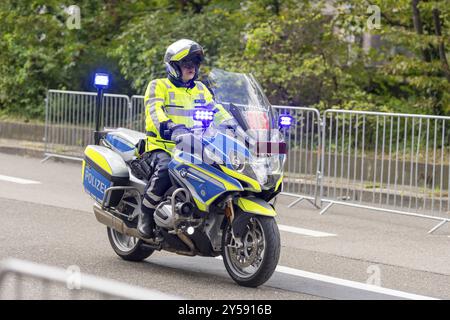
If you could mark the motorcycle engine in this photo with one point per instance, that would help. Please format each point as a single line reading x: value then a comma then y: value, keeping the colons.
x: 164, y: 217
x: 168, y: 218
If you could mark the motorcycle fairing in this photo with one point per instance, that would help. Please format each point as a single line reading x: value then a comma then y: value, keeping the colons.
x: 223, y: 145
x: 204, y: 182
x: 253, y: 184
x: 256, y: 206
x: 277, y: 185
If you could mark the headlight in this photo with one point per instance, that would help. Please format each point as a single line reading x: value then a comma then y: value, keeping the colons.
x: 260, y: 170
x: 237, y: 162
x: 276, y: 164
x: 254, y: 168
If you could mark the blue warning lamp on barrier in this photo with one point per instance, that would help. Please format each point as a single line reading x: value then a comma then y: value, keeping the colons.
x: 101, y: 80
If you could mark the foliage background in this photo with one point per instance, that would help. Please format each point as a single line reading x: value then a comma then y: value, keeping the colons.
x: 312, y: 53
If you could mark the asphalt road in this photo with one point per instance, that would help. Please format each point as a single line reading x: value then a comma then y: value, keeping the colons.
x: 345, y: 254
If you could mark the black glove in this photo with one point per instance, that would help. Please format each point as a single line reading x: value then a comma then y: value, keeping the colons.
x: 229, y: 124
x: 178, y: 131
x: 170, y: 130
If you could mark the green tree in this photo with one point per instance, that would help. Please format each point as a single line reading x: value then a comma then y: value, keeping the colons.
x: 141, y: 46
x: 312, y: 53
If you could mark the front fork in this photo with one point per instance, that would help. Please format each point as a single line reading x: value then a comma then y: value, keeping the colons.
x: 229, y: 213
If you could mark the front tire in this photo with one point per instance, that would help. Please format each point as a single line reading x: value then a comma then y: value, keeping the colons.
x: 254, y: 263
x: 128, y: 248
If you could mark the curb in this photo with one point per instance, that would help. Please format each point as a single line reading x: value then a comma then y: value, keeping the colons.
x: 35, y: 153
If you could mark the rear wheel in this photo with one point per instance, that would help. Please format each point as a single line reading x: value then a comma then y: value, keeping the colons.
x: 128, y: 248
x: 252, y: 262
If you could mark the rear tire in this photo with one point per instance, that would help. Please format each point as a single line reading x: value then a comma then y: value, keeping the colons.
x: 128, y: 248
x: 268, y: 252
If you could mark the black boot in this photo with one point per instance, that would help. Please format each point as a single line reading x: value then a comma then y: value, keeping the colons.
x: 146, y: 225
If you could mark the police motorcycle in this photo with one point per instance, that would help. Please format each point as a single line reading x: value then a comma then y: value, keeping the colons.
x: 224, y: 179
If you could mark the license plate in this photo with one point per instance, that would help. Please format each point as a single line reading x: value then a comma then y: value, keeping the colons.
x: 271, y: 148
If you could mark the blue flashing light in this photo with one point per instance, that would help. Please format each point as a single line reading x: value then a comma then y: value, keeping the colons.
x: 101, y: 80
x: 285, y: 121
x: 203, y: 115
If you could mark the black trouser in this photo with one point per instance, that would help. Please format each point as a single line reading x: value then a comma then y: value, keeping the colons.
x: 158, y: 183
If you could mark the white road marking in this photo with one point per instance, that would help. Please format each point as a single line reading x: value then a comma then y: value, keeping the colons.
x: 348, y: 283
x: 351, y: 284
x: 17, y: 180
x: 306, y: 232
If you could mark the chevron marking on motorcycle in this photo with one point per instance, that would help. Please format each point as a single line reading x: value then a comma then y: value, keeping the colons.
x: 17, y: 180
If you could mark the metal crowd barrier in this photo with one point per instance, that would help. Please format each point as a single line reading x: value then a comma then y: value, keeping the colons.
x: 137, y: 120
x: 397, y: 163
x: 69, y: 120
x: 302, y: 166
x: 57, y: 283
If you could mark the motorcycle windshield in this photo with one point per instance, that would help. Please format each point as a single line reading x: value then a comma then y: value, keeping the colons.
x: 244, y: 99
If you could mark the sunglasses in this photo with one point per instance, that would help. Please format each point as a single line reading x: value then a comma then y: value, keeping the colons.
x: 191, y: 63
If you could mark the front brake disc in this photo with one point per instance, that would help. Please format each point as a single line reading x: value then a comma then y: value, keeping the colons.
x: 238, y: 255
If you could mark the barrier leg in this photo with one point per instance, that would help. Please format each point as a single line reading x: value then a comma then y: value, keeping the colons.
x: 46, y: 158
x: 295, y: 202
x: 438, y: 226
x: 313, y: 203
x: 326, y: 208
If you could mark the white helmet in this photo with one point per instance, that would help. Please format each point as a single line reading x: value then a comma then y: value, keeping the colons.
x: 180, y: 52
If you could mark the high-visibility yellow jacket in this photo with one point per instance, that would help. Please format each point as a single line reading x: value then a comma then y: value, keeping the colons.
x: 164, y: 101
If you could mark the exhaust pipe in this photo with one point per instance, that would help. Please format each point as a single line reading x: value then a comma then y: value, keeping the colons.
x: 108, y: 219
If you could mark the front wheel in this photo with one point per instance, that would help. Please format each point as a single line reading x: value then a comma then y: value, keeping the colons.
x: 253, y: 261
x: 126, y: 247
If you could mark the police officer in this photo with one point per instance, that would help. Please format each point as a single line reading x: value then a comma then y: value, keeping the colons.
x: 169, y: 105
